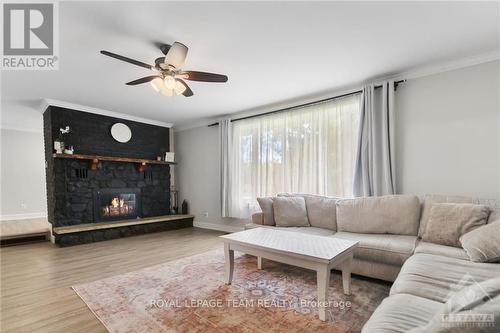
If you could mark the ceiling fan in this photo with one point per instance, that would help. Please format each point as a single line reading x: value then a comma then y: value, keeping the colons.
x: 169, y: 78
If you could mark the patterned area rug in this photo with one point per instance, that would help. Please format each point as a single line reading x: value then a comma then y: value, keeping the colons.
x: 189, y: 295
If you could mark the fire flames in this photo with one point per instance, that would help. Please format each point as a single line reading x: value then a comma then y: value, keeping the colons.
x: 116, y: 207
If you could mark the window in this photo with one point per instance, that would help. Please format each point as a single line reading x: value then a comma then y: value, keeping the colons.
x: 307, y: 150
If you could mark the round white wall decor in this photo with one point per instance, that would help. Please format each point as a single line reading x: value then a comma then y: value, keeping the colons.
x: 121, y: 132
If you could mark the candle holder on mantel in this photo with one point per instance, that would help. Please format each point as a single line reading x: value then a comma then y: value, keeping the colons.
x: 174, y: 201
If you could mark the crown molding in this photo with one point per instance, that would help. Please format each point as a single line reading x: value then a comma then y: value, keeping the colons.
x: 445, y: 66
x: 46, y: 102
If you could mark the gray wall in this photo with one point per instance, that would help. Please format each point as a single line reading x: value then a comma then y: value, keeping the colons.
x: 22, y: 174
x: 448, y: 133
x: 197, y: 174
x: 448, y: 141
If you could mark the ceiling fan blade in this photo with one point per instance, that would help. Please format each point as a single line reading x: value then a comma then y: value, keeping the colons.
x: 188, y: 92
x: 142, y: 80
x: 203, y: 76
x: 176, y: 55
x: 129, y: 60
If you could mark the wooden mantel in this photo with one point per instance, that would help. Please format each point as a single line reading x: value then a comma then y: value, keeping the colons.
x: 94, y: 159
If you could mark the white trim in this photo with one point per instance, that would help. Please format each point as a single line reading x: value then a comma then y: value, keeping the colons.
x: 46, y: 102
x: 218, y: 226
x: 442, y: 67
x: 11, y: 217
x: 413, y: 73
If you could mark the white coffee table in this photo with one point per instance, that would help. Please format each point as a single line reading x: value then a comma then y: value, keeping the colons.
x: 318, y: 253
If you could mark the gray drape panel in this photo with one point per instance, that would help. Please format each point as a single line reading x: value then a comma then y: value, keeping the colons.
x: 224, y: 148
x: 374, y: 172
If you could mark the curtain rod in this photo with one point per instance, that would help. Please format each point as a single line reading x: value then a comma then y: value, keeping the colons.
x: 306, y: 104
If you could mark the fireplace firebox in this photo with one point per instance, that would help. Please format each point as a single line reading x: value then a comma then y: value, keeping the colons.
x: 117, y: 204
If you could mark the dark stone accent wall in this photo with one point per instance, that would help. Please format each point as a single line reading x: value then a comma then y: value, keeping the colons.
x: 90, y: 134
x: 70, y: 198
x: 100, y: 235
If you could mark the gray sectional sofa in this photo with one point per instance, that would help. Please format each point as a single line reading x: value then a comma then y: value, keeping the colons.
x: 397, y: 243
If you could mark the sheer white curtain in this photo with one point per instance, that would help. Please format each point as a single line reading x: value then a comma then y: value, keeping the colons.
x: 307, y: 150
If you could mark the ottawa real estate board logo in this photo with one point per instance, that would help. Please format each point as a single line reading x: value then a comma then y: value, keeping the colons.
x: 30, y: 36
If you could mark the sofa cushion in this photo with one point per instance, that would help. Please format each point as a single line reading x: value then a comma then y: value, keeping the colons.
x: 431, y: 199
x: 478, y: 298
x: 483, y: 244
x: 266, y: 205
x: 290, y: 212
x: 437, y: 277
x: 258, y: 218
x: 494, y: 215
x: 376, y: 270
x: 392, y: 214
x: 305, y: 230
x: 388, y: 249
x: 441, y: 250
x: 448, y: 221
x: 321, y: 210
x: 401, y: 313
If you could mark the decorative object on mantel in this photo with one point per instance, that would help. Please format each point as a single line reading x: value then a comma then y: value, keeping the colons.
x: 58, y: 146
x: 59, y: 143
x: 169, y: 157
x: 121, y: 132
x: 70, y: 150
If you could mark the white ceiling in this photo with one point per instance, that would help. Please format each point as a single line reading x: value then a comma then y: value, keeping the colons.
x: 271, y: 51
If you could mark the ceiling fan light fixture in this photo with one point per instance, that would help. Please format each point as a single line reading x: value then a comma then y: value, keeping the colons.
x: 179, y: 88
x: 157, y: 84
x: 169, y: 82
x: 167, y: 92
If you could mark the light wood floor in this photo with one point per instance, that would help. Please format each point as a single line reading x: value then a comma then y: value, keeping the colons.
x: 36, y: 278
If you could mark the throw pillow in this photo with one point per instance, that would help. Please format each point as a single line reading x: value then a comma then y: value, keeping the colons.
x: 290, y: 212
x: 431, y: 199
x: 266, y: 205
x: 321, y: 212
x: 447, y: 222
x: 483, y: 244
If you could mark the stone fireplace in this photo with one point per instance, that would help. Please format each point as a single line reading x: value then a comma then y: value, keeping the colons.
x: 106, y: 189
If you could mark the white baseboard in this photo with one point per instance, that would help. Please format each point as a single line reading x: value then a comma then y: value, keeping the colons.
x: 218, y: 226
x: 10, y: 217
